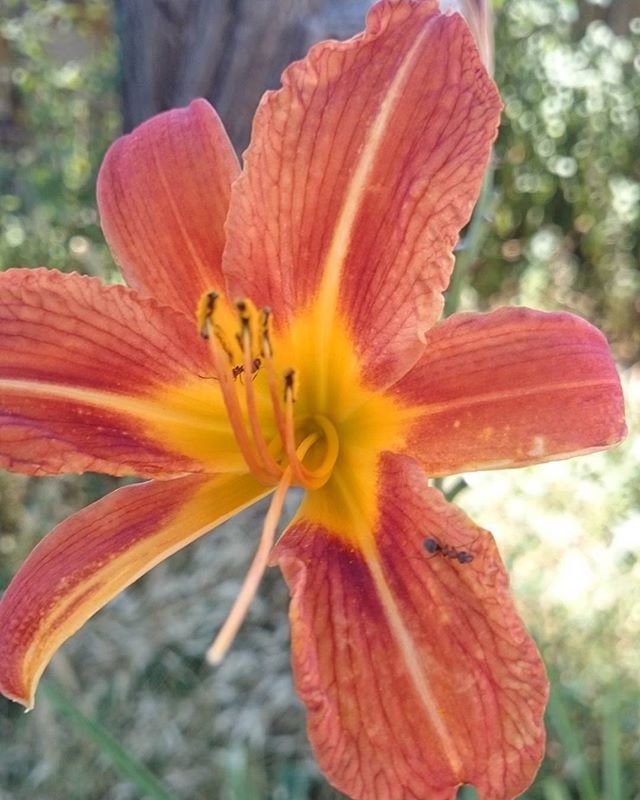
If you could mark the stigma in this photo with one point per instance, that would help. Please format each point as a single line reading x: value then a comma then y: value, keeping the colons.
x: 260, y: 399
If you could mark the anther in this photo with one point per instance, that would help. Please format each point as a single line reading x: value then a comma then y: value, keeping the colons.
x: 265, y: 325
x: 206, y: 308
x: 289, y: 385
x: 245, y: 325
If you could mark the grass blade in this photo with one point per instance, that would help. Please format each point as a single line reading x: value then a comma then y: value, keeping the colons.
x: 131, y: 769
x: 554, y: 789
x: 611, y: 752
x: 572, y: 744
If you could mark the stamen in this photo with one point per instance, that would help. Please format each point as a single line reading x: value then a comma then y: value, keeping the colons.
x: 204, y: 313
x: 267, y: 354
x: 258, y: 437
x: 244, y: 312
x: 253, y: 340
x: 206, y: 309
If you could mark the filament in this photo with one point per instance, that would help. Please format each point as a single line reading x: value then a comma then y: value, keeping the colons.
x: 231, y: 626
x: 268, y: 460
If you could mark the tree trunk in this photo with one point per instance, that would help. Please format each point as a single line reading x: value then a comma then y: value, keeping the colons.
x: 617, y: 14
x: 229, y: 51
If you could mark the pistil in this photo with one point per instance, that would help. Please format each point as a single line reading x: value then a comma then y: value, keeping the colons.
x: 239, y: 610
x: 235, y: 618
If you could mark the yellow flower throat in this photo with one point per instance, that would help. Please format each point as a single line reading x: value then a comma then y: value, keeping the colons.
x: 300, y: 409
x: 316, y: 427
x: 273, y: 440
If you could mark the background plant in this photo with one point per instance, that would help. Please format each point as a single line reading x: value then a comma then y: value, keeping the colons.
x: 130, y: 697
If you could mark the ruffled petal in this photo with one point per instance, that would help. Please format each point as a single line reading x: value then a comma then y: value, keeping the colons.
x: 163, y: 195
x: 511, y: 388
x: 479, y: 18
x: 417, y: 673
x: 92, y: 556
x: 96, y: 378
x: 361, y: 171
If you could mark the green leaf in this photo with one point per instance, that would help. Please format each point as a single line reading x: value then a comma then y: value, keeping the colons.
x: 572, y: 743
x: 554, y: 789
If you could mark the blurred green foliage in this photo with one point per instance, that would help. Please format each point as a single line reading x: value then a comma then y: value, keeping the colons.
x: 563, y: 232
x: 60, y: 112
x: 566, y: 227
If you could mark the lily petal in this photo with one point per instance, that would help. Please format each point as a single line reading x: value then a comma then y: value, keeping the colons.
x: 417, y: 673
x: 479, y: 17
x: 97, y: 378
x: 92, y: 556
x: 163, y: 195
x: 361, y: 171
x: 511, y: 388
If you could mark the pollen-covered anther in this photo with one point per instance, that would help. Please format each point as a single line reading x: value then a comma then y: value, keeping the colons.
x: 290, y: 386
x: 204, y: 313
x: 265, y: 332
x: 250, y: 327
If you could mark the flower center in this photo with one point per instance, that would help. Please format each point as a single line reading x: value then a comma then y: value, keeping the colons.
x: 326, y: 433
x: 260, y: 404
x: 279, y: 448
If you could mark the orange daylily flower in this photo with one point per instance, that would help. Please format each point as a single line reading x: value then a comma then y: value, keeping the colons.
x: 315, y: 360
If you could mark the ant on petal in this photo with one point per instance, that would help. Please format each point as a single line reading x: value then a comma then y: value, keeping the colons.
x: 238, y: 370
x: 435, y: 547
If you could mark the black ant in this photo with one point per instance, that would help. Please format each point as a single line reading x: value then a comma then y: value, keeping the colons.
x: 239, y: 368
x: 237, y: 371
x: 435, y: 547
